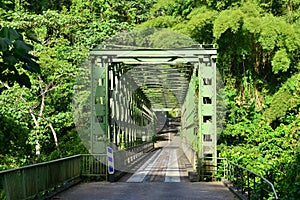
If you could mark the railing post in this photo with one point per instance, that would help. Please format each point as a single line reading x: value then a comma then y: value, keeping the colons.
x: 111, y: 177
x: 225, y: 169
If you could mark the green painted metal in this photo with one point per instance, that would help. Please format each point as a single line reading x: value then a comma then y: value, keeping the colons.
x: 162, y: 77
x: 246, y: 183
x: 207, y: 135
x: 199, y: 112
x: 153, y: 62
x: 129, y: 111
x: 32, y: 181
x: 189, y: 116
x: 164, y: 85
x: 114, y: 106
x: 100, y: 109
x: 94, y: 165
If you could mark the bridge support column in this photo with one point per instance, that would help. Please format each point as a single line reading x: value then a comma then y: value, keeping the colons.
x: 207, y: 135
x: 100, y: 104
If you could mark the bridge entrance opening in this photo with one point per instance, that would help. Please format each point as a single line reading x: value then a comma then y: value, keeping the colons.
x: 130, y: 88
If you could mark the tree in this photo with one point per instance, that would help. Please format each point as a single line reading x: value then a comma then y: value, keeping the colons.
x: 15, y: 57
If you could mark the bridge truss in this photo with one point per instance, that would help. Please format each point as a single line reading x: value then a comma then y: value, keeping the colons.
x: 129, y: 87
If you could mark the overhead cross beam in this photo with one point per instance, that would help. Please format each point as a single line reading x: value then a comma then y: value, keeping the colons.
x: 158, y: 71
x: 161, y: 79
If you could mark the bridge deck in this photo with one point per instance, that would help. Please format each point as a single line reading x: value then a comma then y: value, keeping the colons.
x: 167, y: 164
x: 151, y: 191
x: 162, y: 176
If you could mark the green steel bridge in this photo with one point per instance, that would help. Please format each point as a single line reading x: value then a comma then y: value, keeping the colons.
x: 131, y: 87
x: 122, y: 97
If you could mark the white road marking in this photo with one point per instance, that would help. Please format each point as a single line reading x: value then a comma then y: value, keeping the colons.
x: 172, y: 174
x: 142, y: 172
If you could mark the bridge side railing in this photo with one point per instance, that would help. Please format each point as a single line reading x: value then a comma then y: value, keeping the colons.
x: 94, y: 165
x: 36, y: 180
x: 246, y: 182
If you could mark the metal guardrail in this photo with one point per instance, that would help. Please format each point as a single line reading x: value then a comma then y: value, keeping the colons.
x: 94, y: 165
x: 250, y: 184
x: 33, y: 181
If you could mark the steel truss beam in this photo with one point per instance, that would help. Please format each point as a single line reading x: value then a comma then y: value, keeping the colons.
x: 163, y: 75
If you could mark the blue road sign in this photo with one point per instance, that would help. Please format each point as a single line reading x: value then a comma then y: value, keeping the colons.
x: 110, y: 160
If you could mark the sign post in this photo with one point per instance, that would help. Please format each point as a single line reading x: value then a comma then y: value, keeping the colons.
x: 110, y: 164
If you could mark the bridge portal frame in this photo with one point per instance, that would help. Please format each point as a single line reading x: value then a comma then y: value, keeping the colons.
x: 202, y: 57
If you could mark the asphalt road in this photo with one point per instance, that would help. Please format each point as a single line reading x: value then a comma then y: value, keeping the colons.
x: 145, y: 191
x: 162, y: 176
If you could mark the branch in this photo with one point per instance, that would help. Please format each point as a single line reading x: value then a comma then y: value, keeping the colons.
x: 52, y: 81
x: 5, y: 85
x: 43, y: 97
x: 33, y: 115
x: 49, y: 123
x: 48, y: 86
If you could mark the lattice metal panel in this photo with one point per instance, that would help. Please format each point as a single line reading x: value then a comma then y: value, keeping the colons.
x: 190, y: 115
x: 162, y: 75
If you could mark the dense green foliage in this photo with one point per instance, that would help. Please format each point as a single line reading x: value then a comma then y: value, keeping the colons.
x: 258, y: 58
x: 258, y: 43
x: 36, y: 122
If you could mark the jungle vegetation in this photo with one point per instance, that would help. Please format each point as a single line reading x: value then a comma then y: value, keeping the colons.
x: 43, y: 42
